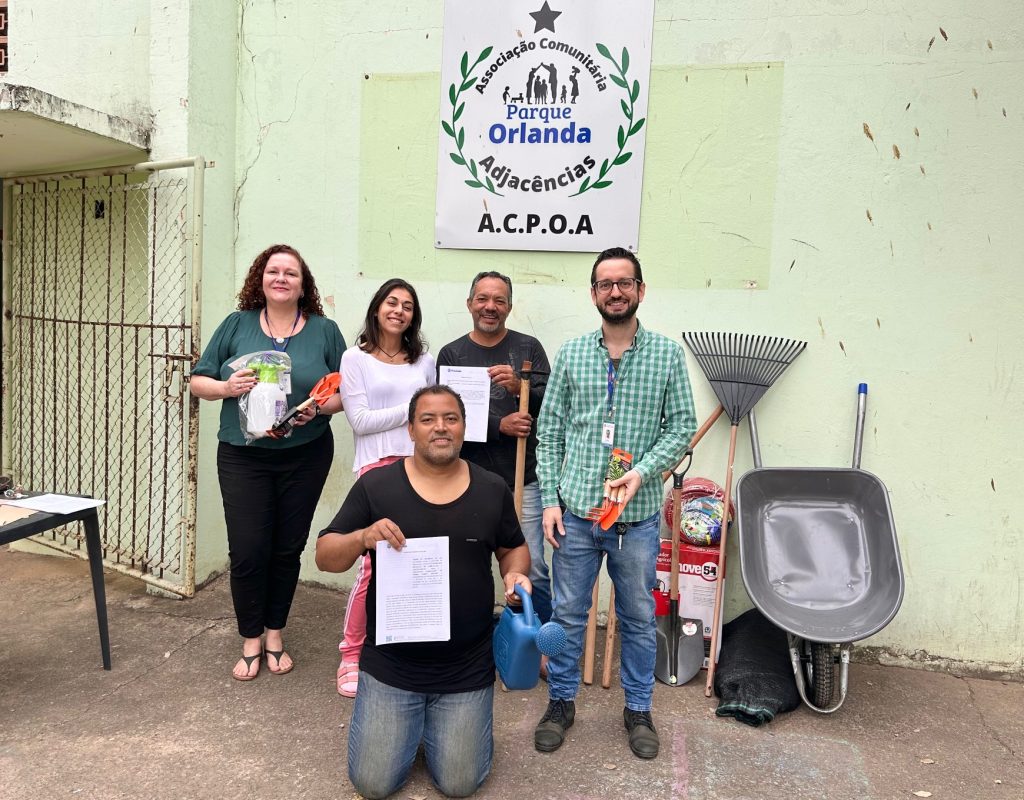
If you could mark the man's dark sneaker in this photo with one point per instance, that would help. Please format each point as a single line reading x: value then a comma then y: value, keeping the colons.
x: 643, y: 738
x: 550, y: 732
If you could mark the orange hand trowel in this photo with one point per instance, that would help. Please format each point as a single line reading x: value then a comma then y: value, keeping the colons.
x: 324, y: 390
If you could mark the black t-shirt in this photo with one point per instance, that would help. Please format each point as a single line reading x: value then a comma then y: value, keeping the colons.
x: 498, y: 453
x: 477, y: 523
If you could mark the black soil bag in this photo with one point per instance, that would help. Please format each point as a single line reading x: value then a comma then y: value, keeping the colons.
x: 754, y: 678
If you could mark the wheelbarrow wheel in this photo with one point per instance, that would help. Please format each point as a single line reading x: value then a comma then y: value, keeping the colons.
x: 822, y: 677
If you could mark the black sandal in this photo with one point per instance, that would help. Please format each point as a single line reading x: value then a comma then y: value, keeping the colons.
x: 277, y: 654
x: 248, y: 666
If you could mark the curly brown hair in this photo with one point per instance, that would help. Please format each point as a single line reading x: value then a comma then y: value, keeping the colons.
x: 251, y: 297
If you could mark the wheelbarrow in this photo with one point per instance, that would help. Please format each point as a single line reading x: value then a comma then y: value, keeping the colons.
x: 820, y: 560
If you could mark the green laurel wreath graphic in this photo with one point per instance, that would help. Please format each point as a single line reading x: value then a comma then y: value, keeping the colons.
x: 633, y: 127
x: 459, y: 135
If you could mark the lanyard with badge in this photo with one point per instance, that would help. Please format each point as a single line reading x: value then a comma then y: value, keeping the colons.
x: 608, y: 428
x: 619, y: 463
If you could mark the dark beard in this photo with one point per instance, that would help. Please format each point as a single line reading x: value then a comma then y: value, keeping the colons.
x: 621, y: 317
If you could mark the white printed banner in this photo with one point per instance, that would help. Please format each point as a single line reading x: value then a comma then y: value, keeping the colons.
x: 543, y: 123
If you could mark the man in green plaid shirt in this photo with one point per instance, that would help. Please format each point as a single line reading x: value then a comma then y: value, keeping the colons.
x: 627, y: 388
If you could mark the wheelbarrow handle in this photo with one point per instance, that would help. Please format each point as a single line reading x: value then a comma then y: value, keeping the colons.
x: 858, y: 434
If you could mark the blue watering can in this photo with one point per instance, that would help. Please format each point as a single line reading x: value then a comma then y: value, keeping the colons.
x: 519, y: 641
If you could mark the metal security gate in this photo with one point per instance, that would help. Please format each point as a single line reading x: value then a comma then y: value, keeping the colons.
x: 102, y: 279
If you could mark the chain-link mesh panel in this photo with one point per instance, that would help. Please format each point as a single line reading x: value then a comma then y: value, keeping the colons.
x: 101, y: 334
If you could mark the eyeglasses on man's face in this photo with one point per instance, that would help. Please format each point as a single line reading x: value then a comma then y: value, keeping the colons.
x: 624, y: 284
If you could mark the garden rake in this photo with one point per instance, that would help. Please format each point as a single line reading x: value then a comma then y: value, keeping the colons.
x: 740, y: 369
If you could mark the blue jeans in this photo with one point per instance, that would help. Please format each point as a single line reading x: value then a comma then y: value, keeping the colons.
x: 575, y: 565
x: 533, y: 530
x: 388, y: 725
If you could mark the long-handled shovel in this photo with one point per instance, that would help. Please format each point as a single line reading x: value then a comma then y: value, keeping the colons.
x: 680, y: 642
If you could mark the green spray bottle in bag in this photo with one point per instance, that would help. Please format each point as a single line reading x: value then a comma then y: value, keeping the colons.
x: 267, y: 400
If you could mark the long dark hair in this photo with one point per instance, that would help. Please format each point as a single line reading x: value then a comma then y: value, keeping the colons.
x: 413, y: 342
x: 251, y: 297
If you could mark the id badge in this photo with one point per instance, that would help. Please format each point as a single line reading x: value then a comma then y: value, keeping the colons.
x: 285, y: 381
x: 608, y: 434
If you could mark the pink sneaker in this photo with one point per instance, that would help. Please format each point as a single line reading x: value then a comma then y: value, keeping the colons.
x: 348, y: 678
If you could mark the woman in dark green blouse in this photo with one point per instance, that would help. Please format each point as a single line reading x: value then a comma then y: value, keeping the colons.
x: 270, y: 487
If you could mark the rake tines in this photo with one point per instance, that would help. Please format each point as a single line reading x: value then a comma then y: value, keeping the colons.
x: 741, y: 367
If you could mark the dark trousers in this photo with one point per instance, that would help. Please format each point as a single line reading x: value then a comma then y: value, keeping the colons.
x: 270, y: 496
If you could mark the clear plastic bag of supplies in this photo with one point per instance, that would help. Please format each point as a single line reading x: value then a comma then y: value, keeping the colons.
x: 262, y: 407
x: 702, y: 521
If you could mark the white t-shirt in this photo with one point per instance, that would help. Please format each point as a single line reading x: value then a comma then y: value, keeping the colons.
x: 376, y: 397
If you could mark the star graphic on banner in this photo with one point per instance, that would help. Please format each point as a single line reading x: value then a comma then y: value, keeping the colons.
x: 545, y: 18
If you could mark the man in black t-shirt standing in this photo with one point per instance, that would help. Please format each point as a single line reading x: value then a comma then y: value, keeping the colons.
x: 437, y: 693
x: 490, y: 344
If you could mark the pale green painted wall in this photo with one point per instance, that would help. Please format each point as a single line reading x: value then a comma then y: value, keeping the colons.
x: 724, y: 119
x: 90, y: 56
x: 903, y: 272
x: 920, y: 300
x: 212, y: 93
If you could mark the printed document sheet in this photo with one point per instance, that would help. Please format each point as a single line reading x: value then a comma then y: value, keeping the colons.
x: 56, y: 503
x: 413, y: 596
x: 474, y: 386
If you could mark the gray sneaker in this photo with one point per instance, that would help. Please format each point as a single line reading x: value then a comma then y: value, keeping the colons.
x: 550, y: 731
x: 643, y: 738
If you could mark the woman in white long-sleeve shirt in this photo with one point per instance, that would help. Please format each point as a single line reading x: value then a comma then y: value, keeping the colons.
x: 380, y: 374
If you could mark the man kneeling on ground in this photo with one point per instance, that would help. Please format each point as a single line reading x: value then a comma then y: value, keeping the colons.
x: 437, y: 693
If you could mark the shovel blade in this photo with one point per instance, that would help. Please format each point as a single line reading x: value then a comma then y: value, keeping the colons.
x: 680, y: 652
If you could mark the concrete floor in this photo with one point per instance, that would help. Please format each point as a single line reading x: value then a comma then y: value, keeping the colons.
x: 169, y: 722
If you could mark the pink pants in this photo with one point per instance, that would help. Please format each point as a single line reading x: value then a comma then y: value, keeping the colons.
x: 354, y: 631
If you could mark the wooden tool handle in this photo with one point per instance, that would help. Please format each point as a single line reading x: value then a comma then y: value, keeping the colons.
x: 524, y: 407
x: 697, y: 437
x: 609, y: 642
x: 677, y: 524
x: 716, y: 620
x: 590, y: 642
